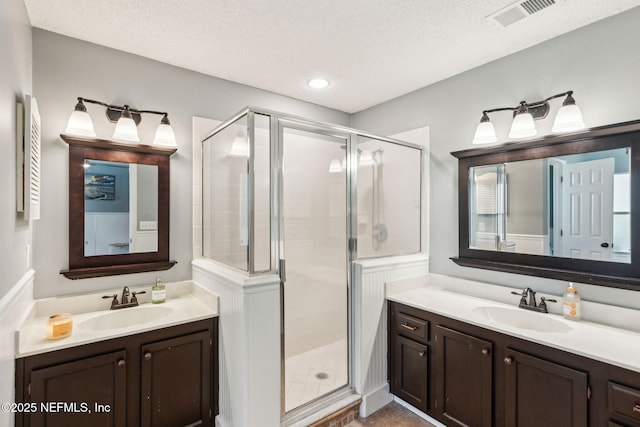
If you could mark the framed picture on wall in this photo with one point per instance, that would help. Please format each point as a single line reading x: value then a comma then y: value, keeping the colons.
x: 99, y: 187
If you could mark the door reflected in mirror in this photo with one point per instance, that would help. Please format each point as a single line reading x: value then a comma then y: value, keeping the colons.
x: 573, y: 206
x: 121, y: 208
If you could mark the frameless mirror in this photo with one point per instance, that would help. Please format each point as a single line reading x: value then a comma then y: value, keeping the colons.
x: 120, y: 208
x: 573, y: 206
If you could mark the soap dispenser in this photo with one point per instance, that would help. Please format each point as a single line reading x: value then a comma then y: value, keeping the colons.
x: 571, y: 304
x: 158, y: 292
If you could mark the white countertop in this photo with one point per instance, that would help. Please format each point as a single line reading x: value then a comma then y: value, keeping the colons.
x: 616, y: 346
x: 186, y: 302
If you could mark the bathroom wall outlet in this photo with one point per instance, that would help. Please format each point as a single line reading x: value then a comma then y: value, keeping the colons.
x: 148, y: 225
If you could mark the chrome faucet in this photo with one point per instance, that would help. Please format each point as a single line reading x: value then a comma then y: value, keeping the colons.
x: 528, y: 301
x: 124, y: 300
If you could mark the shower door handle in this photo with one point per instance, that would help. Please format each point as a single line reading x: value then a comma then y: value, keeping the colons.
x: 282, y: 268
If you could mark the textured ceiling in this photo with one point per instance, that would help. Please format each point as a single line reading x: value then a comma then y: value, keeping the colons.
x: 370, y: 50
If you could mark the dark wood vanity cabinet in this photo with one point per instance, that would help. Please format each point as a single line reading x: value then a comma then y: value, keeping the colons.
x: 464, y: 378
x: 99, y: 379
x: 409, y: 356
x: 164, y: 377
x: 478, y: 377
x: 538, y: 392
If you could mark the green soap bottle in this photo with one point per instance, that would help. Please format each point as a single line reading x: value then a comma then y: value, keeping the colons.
x: 158, y: 292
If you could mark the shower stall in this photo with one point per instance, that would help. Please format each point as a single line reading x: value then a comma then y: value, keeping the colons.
x: 286, y: 195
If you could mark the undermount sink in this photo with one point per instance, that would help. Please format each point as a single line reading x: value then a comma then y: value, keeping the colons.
x: 125, y: 317
x: 523, y: 319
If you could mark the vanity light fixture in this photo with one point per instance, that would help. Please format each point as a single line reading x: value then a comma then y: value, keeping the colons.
x: 568, y: 119
x: 126, y: 120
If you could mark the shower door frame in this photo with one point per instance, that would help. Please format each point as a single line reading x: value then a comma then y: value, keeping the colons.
x: 277, y: 153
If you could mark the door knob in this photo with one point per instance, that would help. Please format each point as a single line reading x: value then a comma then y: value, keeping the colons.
x: 604, y: 245
x: 147, y: 356
x: 508, y: 360
x: 485, y: 351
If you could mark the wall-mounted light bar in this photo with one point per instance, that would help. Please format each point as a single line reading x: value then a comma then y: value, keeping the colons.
x: 568, y: 119
x: 126, y: 120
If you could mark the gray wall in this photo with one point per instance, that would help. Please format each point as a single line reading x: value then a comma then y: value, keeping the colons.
x: 600, y: 62
x: 15, y: 82
x: 65, y: 68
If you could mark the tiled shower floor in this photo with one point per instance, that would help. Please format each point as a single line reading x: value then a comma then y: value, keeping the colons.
x: 315, y: 373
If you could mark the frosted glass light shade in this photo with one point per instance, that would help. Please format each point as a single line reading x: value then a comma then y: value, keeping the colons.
x: 239, y: 147
x: 126, y: 130
x: 568, y: 119
x: 522, y: 126
x: 485, y: 133
x: 80, y: 123
x: 334, y: 166
x: 366, y: 158
x: 165, y: 136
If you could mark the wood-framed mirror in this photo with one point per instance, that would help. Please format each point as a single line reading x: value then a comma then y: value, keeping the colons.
x: 562, y: 207
x: 118, y: 208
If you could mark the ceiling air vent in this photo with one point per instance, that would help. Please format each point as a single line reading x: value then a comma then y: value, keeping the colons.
x: 519, y: 10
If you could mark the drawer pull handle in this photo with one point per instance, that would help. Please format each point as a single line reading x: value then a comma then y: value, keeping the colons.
x: 508, y: 360
x: 409, y: 327
x: 121, y: 363
x: 636, y: 407
x: 421, y: 354
x: 485, y: 351
x: 147, y: 356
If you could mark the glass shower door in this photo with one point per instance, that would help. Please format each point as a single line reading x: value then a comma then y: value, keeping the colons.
x: 313, y: 243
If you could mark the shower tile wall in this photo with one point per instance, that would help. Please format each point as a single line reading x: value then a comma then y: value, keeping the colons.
x: 225, y: 206
x: 398, y: 204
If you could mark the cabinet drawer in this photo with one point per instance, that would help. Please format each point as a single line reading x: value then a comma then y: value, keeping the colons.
x: 624, y: 401
x: 412, y: 327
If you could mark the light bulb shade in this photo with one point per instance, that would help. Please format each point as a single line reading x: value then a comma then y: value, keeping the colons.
x: 568, y: 119
x: 240, y: 147
x: 80, y: 123
x: 126, y: 129
x: 485, y: 133
x: 335, y: 166
x: 522, y: 126
x: 365, y: 158
x: 165, y: 136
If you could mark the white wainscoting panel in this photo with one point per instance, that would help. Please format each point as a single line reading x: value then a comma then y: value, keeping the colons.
x: 14, y: 308
x: 249, y: 343
x: 370, y: 323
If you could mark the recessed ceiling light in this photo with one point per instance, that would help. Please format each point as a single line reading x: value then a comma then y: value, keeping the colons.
x: 318, y: 83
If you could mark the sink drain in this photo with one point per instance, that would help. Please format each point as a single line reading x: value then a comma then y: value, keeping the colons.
x: 322, y: 375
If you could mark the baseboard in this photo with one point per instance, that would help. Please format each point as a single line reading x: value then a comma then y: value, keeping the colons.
x: 375, y: 400
x: 221, y: 422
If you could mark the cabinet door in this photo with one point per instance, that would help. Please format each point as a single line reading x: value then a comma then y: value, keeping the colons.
x: 464, y: 384
x: 410, y: 372
x: 176, y: 381
x: 89, y: 392
x: 542, y: 393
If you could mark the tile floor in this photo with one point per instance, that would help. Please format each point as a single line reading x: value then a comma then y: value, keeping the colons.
x: 315, y: 373
x: 392, y: 415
